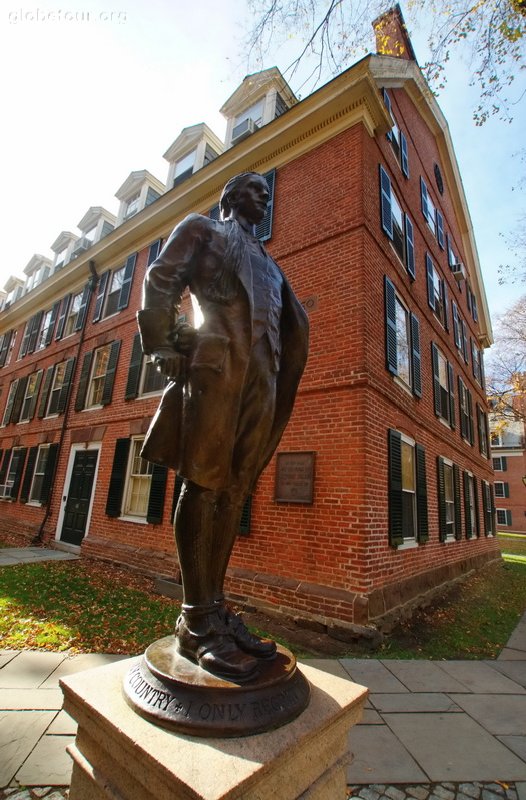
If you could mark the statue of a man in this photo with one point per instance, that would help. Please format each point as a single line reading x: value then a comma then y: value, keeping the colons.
x: 231, y: 393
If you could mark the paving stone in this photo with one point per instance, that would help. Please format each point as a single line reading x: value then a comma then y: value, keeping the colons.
x: 372, y: 674
x: 443, y: 793
x: 471, y: 789
x: 418, y: 792
x: 41, y: 791
x: 508, y: 654
x: 19, y: 733
x: 23, y: 795
x: 379, y: 787
x: 438, y: 743
x: 371, y: 717
x: 521, y: 790
x: 63, y: 725
x: 460, y: 796
x: 31, y: 699
x: 56, y: 796
x: 386, y: 703
x: 449, y: 786
x: 481, y: 677
x: 29, y: 669
x: 499, y: 714
x: 48, y: 763
x: 69, y: 666
x: 515, y: 743
x: 368, y: 794
x: 394, y: 794
x: 517, y: 640
x: 6, y: 656
x: 421, y: 676
x: 515, y: 670
x: 379, y: 757
x: 489, y: 795
x: 330, y: 665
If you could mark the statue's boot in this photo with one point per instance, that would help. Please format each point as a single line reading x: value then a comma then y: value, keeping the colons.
x: 227, y: 528
x: 203, y: 637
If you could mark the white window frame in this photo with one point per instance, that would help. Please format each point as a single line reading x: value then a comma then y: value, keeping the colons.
x: 499, y: 484
x: 146, y: 366
x: 97, y: 377
x: 403, y: 344
x: 113, y: 292
x: 444, y: 388
x: 56, y: 387
x: 450, y: 503
x: 145, y: 478
x: 73, y: 312
x: 12, y: 391
x: 38, y: 473
x: 494, y: 460
x: 499, y: 522
x: 472, y: 500
x: 44, y: 328
x: 410, y: 541
x: 28, y: 396
x: 3, y: 495
x: 132, y: 206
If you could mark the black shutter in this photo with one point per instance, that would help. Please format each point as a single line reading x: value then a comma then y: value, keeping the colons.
x: 53, y: 319
x: 462, y: 413
x: 263, y: 231
x: 471, y: 431
x: 178, y: 485
x: 508, y: 517
x: 430, y: 282
x: 451, y: 386
x: 416, y: 357
x: 506, y: 489
x: 476, y: 500
x: 20, y: 460
x: 464, y: 335
x: 4, y: 348
x: 134, y: 369
x: 45, y: 392
x: 49, y: 474
x: 101, y: 291
x: 456, y: 327
x: 396, y: 535
x: 109, y: 378
x: 157, y: 492
x: 486, y: 508
x: 385, y: 203
x: 28, y: 476
x: 409, y: 247
x: 404, y: 157
x: 19, y: 398
x: 25, y: 339
x: 445, y: 300
x: 62, y: 316
x: 118, y: 477
x: 80, y: 399
x: 33, y: 402
x: 387, y: 101
x: 154, y: 251
x: 440, y: 229
x: 442, y: 526
x: 66, y: 385
x: 504, y: 463
x: 83, y: 308
x: 246, y: 514
x: 390, y: 327
x: 421, y: 494
x: 436, y: 380
x: 458, y: 512
x: 129, y: 269
x: 33, y: 335
x: 467, y: 506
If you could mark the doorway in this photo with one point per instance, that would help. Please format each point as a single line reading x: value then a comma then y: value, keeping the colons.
x: 77, y: 500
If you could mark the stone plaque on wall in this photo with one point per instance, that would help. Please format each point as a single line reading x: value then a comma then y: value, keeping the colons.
x: 295, y: 477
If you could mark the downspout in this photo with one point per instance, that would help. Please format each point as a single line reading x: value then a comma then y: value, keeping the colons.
x: 92, y: 283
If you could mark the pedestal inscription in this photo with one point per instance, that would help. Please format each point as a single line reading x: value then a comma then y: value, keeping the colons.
x: 171, y: 691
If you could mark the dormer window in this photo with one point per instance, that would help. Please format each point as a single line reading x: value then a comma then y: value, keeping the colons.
x: 90, y: 235
x: 61, y: 258
x: 132, y: 206
x: 184, y: 167
x: 138, y: 190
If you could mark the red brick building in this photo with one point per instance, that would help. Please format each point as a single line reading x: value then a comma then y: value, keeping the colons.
x: 509, y: 464
x: 382, y: 486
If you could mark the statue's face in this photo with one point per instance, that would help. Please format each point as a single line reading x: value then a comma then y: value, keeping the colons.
x: 252, y: 198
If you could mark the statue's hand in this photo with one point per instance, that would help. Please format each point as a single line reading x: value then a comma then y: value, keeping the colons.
x: 184, y: 337
x: 173, y: 366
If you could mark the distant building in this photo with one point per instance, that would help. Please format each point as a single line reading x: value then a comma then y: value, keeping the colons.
x: 508, y: 451
x: 382, y: 487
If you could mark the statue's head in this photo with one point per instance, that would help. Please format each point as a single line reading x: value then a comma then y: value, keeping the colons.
x: 246, y: 194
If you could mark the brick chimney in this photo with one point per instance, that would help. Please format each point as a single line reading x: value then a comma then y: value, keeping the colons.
x: 392, y: 38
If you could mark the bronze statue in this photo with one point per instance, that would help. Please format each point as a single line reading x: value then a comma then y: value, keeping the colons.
x: 231, y: 393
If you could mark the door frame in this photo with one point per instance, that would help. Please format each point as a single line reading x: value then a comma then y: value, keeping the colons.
x: 75, y: 448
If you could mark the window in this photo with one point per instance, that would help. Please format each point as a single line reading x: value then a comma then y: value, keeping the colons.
x: 143, y: 377
x: 396, y: 224
x: 30, y: 397
x: 72, y: 315
x: 397, y: 138
x: 137, y: 488
x: 503, y: 517
x: 47, y: 325
x: 472, y: 303
x: 7, y: 342
x: 436, y: 292
x: 403, y: 357
x: 11, y: 472
x: 254, y: 113
x: 488, y: 507
x: 184, y: 167
x: 465, y: 403
x: 408, y: 520
x: 138, y: 484
x: 29, y: 340
x: 431, y: 214
x: 132, y: 206
x: 448, y: 500
x: 91, y: 234
x: 460, y: 332
x: 61, y: 258
x: 113, y: 290
x: 500, y: 464
x: 502, y: 489
x: 6, y: 419
x: 443, y: 387
x: 477, y: 359
x: 471, y: 509
x: 496, y: 439
x: 41, y: 466
x: 56, y: 388
x: 97, y: 377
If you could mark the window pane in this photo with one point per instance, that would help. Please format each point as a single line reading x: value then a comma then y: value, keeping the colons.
x: 408, y: 467
x: 402, y: 343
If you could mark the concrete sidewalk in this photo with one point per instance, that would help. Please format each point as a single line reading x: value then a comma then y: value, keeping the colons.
x: 461, y: 724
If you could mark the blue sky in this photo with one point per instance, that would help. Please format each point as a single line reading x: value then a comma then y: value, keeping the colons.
x: 94, y: 92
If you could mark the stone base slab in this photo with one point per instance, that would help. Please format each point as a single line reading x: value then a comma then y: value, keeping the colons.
x: 118, y: 755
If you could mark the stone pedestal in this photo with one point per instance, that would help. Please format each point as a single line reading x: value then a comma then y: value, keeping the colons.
x: 118, y: 755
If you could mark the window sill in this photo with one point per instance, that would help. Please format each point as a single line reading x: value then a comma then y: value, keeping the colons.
x: 34, y: 504
x: 91, y: 408
x: 148, y: 395
x: 403, y: 385
x: 410, y: 544
x: 444, y: 422
x: 138, y: 520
